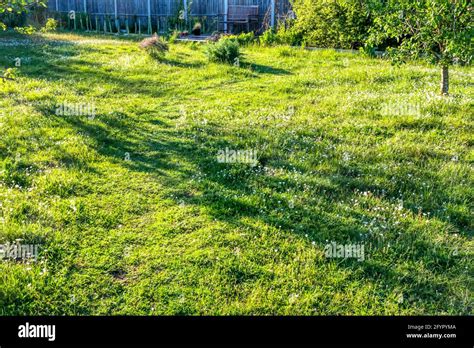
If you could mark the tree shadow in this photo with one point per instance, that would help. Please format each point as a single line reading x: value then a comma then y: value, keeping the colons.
x: 181, y: 64
x: 264, y: 69
x: 113, y: 137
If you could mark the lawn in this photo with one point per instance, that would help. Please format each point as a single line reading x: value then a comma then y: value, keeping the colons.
x: 135, y: 215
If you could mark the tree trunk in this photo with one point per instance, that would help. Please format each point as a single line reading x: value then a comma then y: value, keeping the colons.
x: 444, y: 80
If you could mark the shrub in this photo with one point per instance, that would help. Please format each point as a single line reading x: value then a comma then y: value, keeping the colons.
x: 50, y: 25
x: 12, y: 19
x: 194, y: 46
x: 29, y: 30
x: 174, y: 35
x: 332, y: 23
x: 237, y: 38
x: 289, y: 36
x: 269, y: 38
x: 245, y: 39
x: 226, y: 50
x: 9, y: 74
x: 154, y: 46
x: 283, y: 35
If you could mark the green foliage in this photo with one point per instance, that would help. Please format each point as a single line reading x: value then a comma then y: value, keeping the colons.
x: 29, y: 30
x: 269, y: 38
x: 349, y: 149
x: 10, y: 73
x: 286, y: 34
x: 195, y: 45
x: 438, y: 30
x: 50, y: 25
x: 332, y: 23
x: 174, y: 35
x: 155, y: 46
x: 18, y: 6
x: 283, y: 35
x: 226, y: 50
x: 11, y: 11
x: 245, y: 39
x: 368, y: 50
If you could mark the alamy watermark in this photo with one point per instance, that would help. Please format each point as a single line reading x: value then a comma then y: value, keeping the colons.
x: 17, y: 251
x: 345, y: 251
x: 37, y: 331
x: 237, y: 156
x: 79, y: 109
x: 401, y: 109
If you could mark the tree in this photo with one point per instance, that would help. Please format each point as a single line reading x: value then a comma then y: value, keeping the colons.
x: 17, y: 7
x: 438, y: 30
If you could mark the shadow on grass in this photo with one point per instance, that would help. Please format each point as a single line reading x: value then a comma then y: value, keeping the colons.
x: 264, y: 69
x: 152, y: 143
x: 181, y: 64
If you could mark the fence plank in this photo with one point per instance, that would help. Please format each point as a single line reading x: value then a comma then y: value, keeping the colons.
x: 154, y: 12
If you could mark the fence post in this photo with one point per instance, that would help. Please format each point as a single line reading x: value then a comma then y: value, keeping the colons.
x: 117, y: 24
x: 150, y: 29
x: 226, y: 9
x: 57, y: 5
x: 168, y: 14
x: 85, y: 12
x: 185, y: 3
x: 272, y: 18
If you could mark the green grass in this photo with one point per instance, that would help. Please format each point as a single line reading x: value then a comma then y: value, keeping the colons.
x: 172, y: 231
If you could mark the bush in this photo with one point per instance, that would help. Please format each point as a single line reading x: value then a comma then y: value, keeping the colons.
x: 154, y: 46
x: 194, y: 45
x: 269, y: 38
x: 332, y: 23
x: 174, y: 35
x: 50, y: 25
x: 9, y: 74
x: 226, y: 50
x: 12, y: 19
x: 288, y: 35
x: 245, y: 39
x: 29, y: 30
x: 283, y: 35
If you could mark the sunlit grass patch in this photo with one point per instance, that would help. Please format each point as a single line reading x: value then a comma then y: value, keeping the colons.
x: 136, y: 214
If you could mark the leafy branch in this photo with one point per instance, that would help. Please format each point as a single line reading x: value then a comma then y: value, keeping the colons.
x: 9, y: 74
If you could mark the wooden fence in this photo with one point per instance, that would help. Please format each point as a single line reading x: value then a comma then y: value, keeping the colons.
x: 159, y: 15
